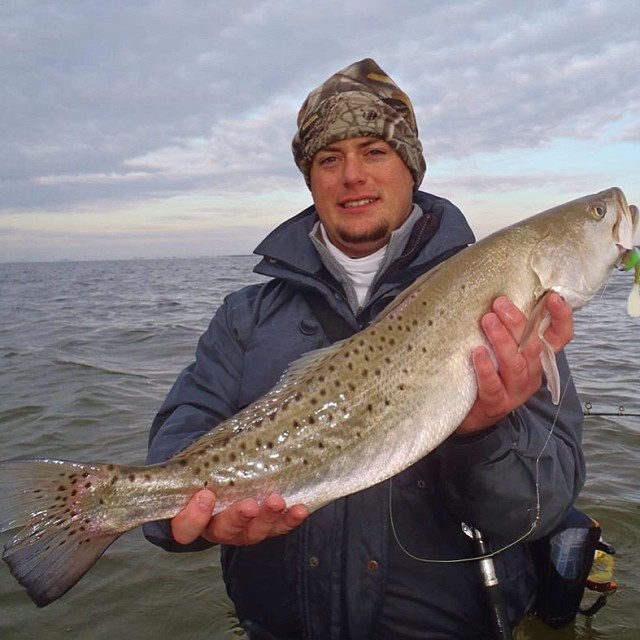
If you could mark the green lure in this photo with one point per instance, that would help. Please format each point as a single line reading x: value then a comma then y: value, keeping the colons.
x: 633, y: 302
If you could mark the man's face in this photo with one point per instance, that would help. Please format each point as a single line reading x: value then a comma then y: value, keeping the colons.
x: 362, y: 191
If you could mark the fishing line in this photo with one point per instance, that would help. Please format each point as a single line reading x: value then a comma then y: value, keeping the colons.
x: 525, y: 535
x: 536, y: 519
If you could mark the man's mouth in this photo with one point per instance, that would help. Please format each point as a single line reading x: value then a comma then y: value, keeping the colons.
x: 358, y: 203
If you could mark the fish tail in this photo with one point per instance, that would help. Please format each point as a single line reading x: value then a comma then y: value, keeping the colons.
x: 65, y: 523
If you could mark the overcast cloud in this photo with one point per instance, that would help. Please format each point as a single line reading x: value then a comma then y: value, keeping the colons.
x: 125, y: 122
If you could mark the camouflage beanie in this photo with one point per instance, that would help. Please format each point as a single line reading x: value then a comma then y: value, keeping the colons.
x: 359, y: 101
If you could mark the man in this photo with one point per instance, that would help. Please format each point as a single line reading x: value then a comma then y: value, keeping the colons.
x: 350, y: 570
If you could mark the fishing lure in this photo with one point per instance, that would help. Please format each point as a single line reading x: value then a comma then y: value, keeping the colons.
x: 633, y: 301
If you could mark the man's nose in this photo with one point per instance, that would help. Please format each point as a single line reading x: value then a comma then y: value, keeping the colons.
x: 354, y: 171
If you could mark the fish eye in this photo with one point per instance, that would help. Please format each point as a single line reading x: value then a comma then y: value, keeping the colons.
x: 600, y: 211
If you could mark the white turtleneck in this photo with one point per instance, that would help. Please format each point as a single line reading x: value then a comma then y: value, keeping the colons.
x: 361, y: 271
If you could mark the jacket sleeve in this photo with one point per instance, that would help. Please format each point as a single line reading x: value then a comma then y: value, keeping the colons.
x: 204, y: 394
x: 521, y: 476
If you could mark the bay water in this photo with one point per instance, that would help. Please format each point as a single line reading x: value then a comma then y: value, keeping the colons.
x: 88, y: 350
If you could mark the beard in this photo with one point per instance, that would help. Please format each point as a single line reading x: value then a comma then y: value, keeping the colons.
x: 376, y: 234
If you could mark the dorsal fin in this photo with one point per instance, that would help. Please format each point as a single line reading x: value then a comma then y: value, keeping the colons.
x: 308, y: 363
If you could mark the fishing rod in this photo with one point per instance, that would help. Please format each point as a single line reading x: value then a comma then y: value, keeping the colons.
x: 587, y: 412
x: 493, y: 588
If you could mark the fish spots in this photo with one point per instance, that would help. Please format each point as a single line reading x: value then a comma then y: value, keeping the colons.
x: 132, y: 477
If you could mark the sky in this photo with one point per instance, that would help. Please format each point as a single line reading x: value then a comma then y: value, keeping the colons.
x: 162, y: 128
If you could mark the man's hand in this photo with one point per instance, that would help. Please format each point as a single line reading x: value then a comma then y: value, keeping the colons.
x: 244, y: 522
x: 519, y: 373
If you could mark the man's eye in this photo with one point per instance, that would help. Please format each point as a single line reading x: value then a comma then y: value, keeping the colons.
x: 327, y: 160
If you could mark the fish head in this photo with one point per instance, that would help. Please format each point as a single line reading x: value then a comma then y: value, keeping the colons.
x: 584, y: 239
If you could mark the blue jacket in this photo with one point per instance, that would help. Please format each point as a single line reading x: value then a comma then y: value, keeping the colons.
x: 352, y: 570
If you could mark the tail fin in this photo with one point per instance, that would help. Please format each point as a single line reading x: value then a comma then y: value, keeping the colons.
x: 65, y: 529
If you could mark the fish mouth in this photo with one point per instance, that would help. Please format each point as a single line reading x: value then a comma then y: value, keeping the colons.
x: 625, y: 230
x: 626, y: 225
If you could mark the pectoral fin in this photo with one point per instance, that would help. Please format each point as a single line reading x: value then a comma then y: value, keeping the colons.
x: 538, y: 323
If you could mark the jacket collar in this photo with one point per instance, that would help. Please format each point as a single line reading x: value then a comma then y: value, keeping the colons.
x: 442, y: 230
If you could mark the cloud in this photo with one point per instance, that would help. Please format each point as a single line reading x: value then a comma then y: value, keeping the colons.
x: 114, y: 105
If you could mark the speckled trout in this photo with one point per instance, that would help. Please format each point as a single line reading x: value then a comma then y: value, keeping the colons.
x: 341, y: 419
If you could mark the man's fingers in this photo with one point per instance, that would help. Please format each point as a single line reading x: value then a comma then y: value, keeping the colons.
x: 247, y: 522
x: 560, y: 332
x: 295, y: 516
x: 232, y: 522
x: 490, y: 386
x: 511, y: 317
x: 187, y: 525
